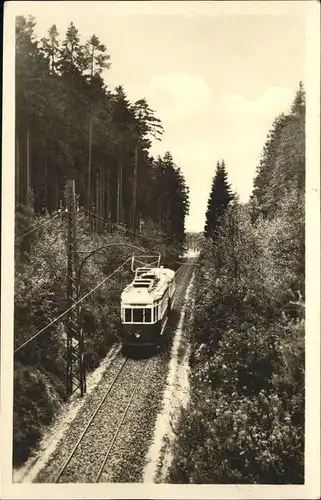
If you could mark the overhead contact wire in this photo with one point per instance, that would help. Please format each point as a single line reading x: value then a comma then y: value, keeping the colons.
x: 127, y: 230
x: 35, y: 227
x: 71, y: 307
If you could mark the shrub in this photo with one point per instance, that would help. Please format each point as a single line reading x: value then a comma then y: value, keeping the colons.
x: 245, y: 419
x: 237, y: 439
x: 36, y: 398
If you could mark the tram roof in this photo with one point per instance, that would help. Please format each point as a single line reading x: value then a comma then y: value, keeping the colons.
x: 148, y: 286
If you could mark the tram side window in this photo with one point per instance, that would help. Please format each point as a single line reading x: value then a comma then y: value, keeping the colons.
x: 128, y: 315
x: 138, y: 315
x: 156, y: 313
x: 148, y: 315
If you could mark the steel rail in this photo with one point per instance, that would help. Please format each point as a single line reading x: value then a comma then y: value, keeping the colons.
x: 137, y: 385
x: 66, y: 463
x: 112, y: 384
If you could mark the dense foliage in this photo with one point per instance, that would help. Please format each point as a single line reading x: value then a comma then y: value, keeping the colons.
x: 245, y: 419
x: 282, y: 166
x: 219, y: 199
x: 70, y: 125
x: 194, y: 241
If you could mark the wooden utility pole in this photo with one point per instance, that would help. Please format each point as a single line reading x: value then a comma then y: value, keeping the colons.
x: 76, y: 378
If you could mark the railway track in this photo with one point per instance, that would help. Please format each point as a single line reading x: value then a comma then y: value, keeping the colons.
x: 121, y: 422
x: 183, y: 280
x: 80, y: 456
x: 77, y: 456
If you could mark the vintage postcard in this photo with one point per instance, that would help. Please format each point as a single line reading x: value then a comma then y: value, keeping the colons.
x: 160, y: 300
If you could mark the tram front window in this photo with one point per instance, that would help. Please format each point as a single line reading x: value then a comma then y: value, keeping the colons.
x: 148, y: 315
x: 138, y: 315
x: 128, y: 315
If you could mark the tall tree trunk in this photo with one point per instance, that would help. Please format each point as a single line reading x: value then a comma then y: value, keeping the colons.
x: 97, y: 224
x: 57, y: 205
x: 130, y: 213
x: 17, y: 169
x: 99, y: 201
x: 108, y: 199
x: 135, y: 189
x: 108, y: 195
x: 119, y: 188
x: 101, y: 197
x: 121, y: 207
x: 89, y: 163
x: 139, y: 222
x: 159, y: 216
x: 46, y: 181
x: 28, y: 169
x: 169, y: 219
x: 102, y: 193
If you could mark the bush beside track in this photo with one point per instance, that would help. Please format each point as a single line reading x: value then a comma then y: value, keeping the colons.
x: 245, y: 419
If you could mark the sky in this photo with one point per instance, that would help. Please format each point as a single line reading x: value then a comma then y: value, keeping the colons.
x: 216, y: 73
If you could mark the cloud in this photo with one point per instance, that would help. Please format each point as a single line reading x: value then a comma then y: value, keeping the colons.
x: 229, y: 126
x: 244, y: 126
x: 272, y: 102
x: 178, y: 96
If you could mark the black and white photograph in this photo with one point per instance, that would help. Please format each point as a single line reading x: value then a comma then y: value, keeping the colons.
x: 160, y: 322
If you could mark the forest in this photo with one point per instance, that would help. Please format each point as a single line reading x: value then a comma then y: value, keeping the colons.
x: 244, y: 421
x: 71, y: 125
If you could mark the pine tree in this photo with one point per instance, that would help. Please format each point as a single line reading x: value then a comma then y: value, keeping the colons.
x: 298, y: 106
x: 31, y: 106
x: 70, y: 125
x: 50, y: 47
x: 95, y: 60
x: 72, y: 53
x: 282, y: 165
x: 220, y: 197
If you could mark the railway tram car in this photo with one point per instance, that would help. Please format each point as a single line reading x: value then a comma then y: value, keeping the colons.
x: 145, y: 305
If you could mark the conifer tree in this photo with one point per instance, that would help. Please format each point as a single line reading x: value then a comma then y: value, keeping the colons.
x: 282, y: 165
x: 220, y: 197
x: 50, y: 47
x: 69, y: 124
